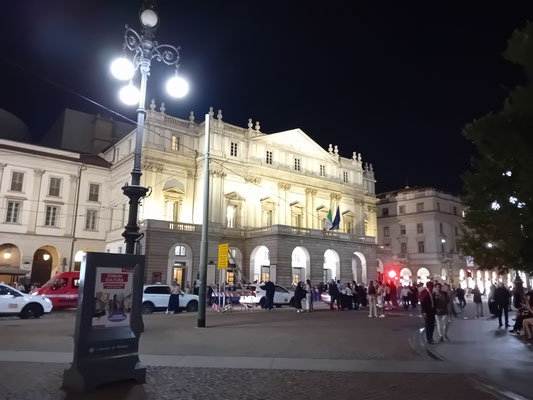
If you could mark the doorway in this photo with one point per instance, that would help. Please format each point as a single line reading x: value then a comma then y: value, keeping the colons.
x: 179, y: 273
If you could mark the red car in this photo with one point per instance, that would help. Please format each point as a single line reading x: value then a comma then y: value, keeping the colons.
x: 62, y: 289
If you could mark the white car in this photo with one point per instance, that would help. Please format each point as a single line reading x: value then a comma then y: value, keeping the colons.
x: 257, y: 296
x: 16, y: 303
x: 155, y: 298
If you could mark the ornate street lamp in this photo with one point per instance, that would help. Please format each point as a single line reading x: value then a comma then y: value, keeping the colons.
x: 144, y: 49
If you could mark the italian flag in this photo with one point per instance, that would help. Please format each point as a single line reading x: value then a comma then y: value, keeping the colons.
x: 328, y: 224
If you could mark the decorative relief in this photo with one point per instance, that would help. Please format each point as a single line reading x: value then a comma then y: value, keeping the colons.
x: 256, y: 180
x: 312, y: 192
x: 153, y: 166
x: 284, y: 186
x: 38, y: 172
x: 219, y: 173
x: 335, y: 196
x: 192, y: 174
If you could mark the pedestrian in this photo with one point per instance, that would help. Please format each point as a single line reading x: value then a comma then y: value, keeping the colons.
x: 309, y: 296
x: 372, y: 299
x: 299, y: 295
x: 355, y: 295
x: 174, y: 299
x: 493, y: 308
x: 21, y: 287
x: 362, y: 296
x: 501, y: 297
x: 334, y: 295
x: 441, y: 312
x: 427, y: 303
x: 404, y: 293
x: 478, y: 302
x: 270, y: 289
x: 380, y: 291
x: 460, y: 295
x: 348, y: 297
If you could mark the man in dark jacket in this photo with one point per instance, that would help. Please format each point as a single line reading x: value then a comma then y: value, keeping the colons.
x: 427, y: 304
x: 334, y: 295
x: 501, y: 297
x: 270, y: 289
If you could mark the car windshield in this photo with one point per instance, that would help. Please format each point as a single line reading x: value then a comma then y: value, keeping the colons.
x: 56, y: 283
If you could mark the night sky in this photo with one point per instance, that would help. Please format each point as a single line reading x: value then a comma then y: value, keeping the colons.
x: 394, y: 82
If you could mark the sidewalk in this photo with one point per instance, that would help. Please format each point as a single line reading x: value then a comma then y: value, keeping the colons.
x: 502, y: 359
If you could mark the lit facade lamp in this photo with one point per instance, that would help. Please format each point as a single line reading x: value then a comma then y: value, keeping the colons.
x: 7, y: 254
x: 144, y: 49
x: 46, y: 256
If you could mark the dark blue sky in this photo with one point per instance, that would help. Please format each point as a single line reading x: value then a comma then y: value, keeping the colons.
x: 394, y: 82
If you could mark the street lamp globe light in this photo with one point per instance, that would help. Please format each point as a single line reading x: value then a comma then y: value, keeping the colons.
x: 129, y: 95
x: 177, y: 87
x: 122, y: 69
x: 149, y: 18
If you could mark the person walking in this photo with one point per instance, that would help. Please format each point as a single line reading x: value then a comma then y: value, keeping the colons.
x: 478, y: 301
x: 309, y: 296
x: 299, y: 295
x: 355, y: 295
x: 427, y: 304
x: 372, y: 299
x: 381, y: 292
x: 174, y: 299
x: 501, y: 297
x: 348, y: 297
x: 270, y: 289
x: 441, y: 311
x: 334, y: 295
x: 404, y: 294
x: 460, y: 295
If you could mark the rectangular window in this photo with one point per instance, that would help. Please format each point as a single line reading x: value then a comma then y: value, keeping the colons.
x: 419, y: 207
x: 322, y: 171
x: 180, y: 251
x: 13, y: 212
x: 17, y: 179
x: 233, y: 151
x: 269, y: 157
x: 51, y: 216
x: 403, y: 248
x: 385, y: 212
x: 297, y: 164
x: 119, y: 250
x: 438, y: 206
x: 345, y: 177
x: 441, y: 228
x: 55, y: 187
x: 456, y: 231
x: 402, y: 229
x: 175, y: 143
x: 94, y: 192
x: 421, y: 247
x: 454, y: 210
x: 420, y: 228
x: 386, y: 231
x: 401, y: 210
x: 90, y: 219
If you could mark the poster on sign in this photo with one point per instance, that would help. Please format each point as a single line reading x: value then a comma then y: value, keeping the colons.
x: 112, y: 297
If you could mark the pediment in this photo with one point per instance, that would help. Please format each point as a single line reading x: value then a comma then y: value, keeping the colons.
x: 234, y: 196
x: 297, y: 141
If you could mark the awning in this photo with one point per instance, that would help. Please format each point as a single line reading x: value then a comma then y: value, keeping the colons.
x: 12, y: 271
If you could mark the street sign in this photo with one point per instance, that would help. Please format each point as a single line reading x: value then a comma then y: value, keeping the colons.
x: 223, y: 256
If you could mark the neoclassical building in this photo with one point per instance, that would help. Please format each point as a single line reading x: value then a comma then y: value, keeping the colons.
x: 269, y: 197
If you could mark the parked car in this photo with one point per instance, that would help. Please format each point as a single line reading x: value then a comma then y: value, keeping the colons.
x: 257, y: 296
x: 155, y: 298
x: 62, y: 289
x: 16, y: 303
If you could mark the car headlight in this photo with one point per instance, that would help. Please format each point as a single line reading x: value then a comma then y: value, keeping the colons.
x: 47, y: 299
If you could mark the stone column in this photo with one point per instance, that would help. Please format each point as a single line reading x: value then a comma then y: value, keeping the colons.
x: 71, y: 207
x: 2, y: 166
x: 284, y: 188
x: 35, y: 194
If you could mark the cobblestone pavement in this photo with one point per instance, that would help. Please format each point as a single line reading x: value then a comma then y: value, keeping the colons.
x: 34, y: 381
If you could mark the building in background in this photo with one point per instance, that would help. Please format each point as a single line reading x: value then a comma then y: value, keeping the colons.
x: 270, y: 197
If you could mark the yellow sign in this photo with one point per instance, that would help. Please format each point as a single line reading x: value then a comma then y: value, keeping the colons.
x: 223, y: 256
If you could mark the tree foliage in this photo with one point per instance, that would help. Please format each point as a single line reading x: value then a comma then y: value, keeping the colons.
x: 502, y: 172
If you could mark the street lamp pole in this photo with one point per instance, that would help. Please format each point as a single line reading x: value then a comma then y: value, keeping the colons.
x: 144, y: 49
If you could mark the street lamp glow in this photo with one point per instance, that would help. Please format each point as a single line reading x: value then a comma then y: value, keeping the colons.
x: 495, y: 205
x: 129, y: 95
x: 508, y: 173
x: 490, y: 245
x: 443, y: 240
x: 521, y: 204
x: 149, y: 18
x: 122, y: 69
x: 7, y: 255
x: 512, y: 199
x: 46, y: 257
x: 177, y: 87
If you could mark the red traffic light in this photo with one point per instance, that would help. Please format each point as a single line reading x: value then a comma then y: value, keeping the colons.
x: 392, y: 274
